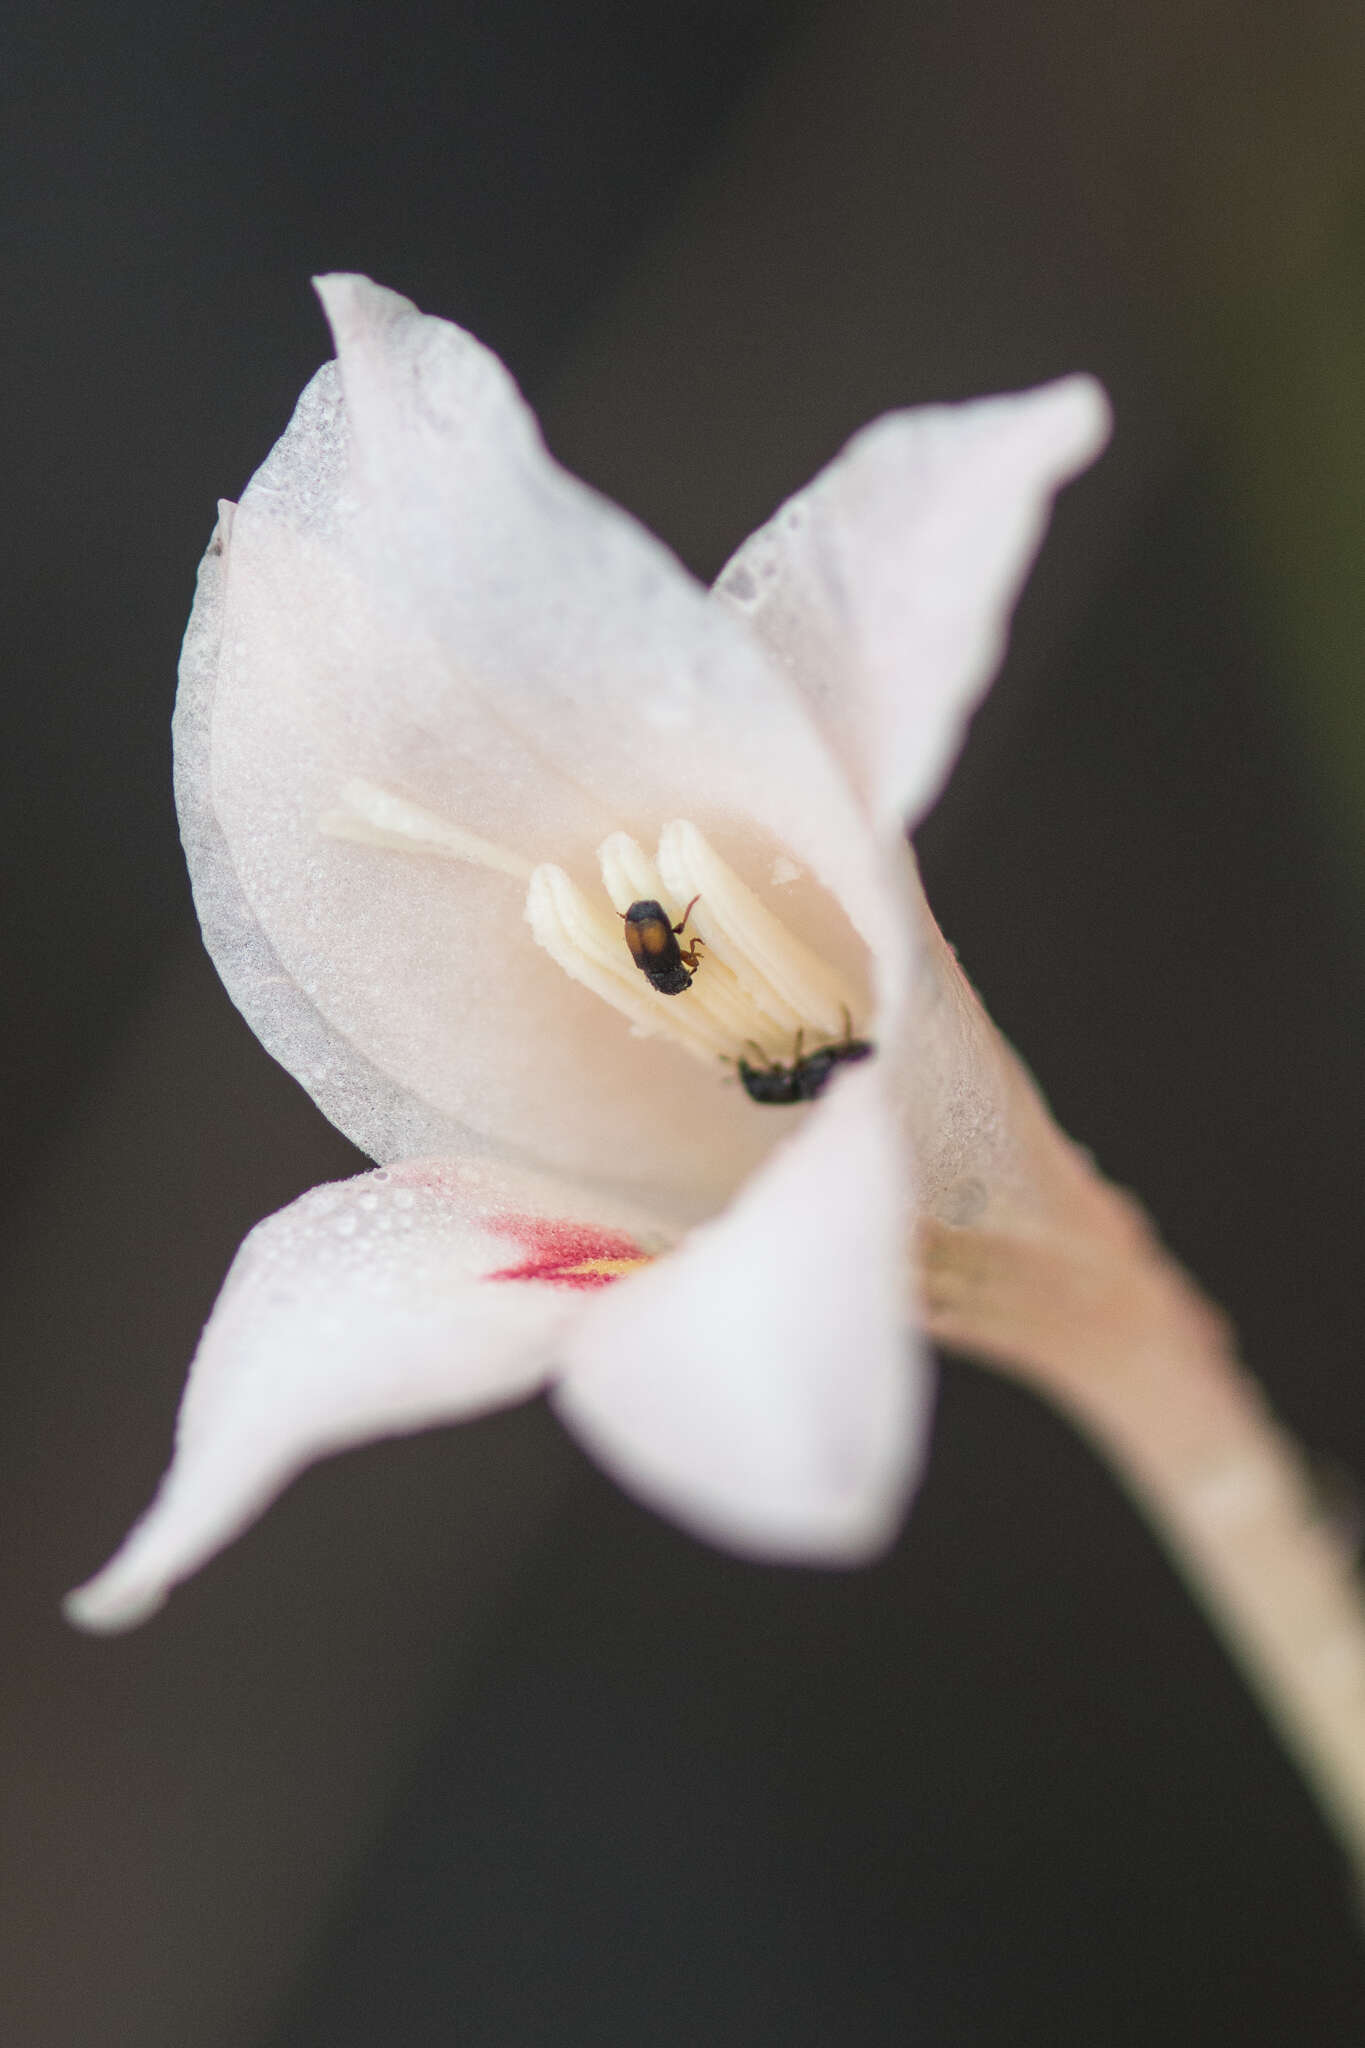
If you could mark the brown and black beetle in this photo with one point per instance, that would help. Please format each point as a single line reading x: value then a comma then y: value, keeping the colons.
x: 654, y: 947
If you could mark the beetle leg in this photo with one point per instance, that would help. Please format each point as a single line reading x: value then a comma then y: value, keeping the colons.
x: 682, y: 921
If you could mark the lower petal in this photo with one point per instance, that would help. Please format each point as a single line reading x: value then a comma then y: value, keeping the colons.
x: 762, y: 1385
x: 373, y: 1307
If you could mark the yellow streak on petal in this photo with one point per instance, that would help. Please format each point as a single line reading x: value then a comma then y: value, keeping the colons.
x: 610, y: 1267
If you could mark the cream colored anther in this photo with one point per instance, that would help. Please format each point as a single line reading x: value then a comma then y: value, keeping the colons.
x: 628, y: 875
x: 789, y: 983
x: 755, y: 983
x: 589, y: 945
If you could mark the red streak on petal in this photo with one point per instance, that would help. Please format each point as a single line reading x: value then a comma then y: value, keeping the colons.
x: 566, y: 1254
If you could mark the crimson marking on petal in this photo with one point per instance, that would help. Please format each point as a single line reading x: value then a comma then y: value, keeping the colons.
x: 568, y: 1254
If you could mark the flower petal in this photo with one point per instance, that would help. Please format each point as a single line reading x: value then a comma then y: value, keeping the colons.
x: 886, y: 586
x: 595, y: 645
x: 371, y: 1307
x: 414, y: 595
x: 762, y: 1384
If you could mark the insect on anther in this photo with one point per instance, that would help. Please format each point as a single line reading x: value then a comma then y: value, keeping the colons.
x: 654, y: 947
x: 807, y: 1074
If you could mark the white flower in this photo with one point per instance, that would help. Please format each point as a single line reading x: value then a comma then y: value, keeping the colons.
x: 444, y: 715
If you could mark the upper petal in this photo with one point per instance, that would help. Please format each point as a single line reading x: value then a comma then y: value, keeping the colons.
x: 371, y: 1307
x: 412, y: 592
x: 578, y: 632
x: 885, y: 588
x: 762, y: 1385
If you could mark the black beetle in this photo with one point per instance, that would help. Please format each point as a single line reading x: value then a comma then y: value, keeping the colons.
x: 654, y: 947
x: 808, y: 1074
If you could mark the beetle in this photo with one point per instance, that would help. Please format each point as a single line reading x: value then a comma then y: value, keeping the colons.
x: 654, y: 947
x: 808, y: 1074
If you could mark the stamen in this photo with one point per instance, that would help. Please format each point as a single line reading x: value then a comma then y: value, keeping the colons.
x: 793, y: 985
x: 589, y: 947
x: 629, y: 874
x: 372, y: 816
x: 757, y: 987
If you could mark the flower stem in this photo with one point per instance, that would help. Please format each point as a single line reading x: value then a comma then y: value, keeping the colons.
x: 1107, y: 1326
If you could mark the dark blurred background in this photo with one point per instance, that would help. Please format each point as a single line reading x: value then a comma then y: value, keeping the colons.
x: 459, y: 1745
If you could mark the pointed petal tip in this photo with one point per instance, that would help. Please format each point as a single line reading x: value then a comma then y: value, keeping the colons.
x: 850, y: 1540
x: 818, y: 1527
x: 1084, y: 415
x: 830, y: 1535
x: 338, y: 285
x: 111, y: 1603
x: 354, y: 303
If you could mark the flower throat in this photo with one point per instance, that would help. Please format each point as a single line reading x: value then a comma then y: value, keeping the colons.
x: 754, y: 988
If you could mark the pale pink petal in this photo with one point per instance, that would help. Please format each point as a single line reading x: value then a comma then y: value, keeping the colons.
x: 365, y: 1309
x: 762, y: 1386
x: 411, y: 592
x: 885, y: 588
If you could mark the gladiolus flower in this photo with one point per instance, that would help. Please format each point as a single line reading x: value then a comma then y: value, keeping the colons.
x: 445, y: 716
